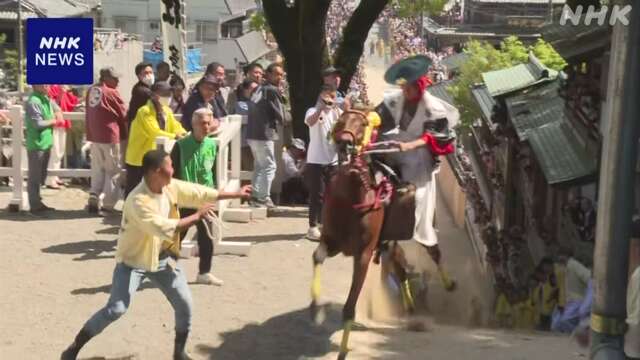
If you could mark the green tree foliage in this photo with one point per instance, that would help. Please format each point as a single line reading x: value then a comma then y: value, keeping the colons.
x: 413, y: 8
x: 9, y: 65
x: 548, y: 56
x: 258, y: 22
x: 484, y: 57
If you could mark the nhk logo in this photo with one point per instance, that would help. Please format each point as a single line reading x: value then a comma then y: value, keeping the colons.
x: 60, y: 51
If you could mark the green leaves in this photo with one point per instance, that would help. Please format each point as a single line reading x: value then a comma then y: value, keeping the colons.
x: 9, y: 66
x: 258, y: 22
x: 483, y: 58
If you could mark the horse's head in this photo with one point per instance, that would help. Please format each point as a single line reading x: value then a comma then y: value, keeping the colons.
x: 348, y: 133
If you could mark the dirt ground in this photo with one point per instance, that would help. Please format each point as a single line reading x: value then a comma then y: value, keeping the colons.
x: 56, y: 272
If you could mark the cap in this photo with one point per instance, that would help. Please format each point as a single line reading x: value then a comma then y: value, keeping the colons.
x: 161, y: 87
x: 298, y: 144
x: 407, y: 70
x: 330, y: 71
x: 110, y: 72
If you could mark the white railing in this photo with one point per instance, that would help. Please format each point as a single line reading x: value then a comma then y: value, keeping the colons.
x: 227, y: 175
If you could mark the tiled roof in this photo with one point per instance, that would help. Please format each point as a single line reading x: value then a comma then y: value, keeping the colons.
x: 439, y: 90
x: 59, y: 8
x: 559, y: 153
x: 572, y: 41
x: 500, y: 82
x: 535, y: 107
x: 12, y: 15
x: 484, y: 100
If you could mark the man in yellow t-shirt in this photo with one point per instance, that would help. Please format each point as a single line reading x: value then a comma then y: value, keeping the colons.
x: 149, y: 238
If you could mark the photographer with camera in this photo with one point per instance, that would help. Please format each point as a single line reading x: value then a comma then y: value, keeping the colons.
x: 321, y: 155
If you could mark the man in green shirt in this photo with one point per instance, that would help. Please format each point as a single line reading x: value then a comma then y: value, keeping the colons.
x: 194, y: 159
x: 40, y: 118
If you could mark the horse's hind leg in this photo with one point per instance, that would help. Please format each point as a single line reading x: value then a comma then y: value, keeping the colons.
x: 400, y: 266
x: 360, y: 268
x: 435, y: 254
x: 319, y: 255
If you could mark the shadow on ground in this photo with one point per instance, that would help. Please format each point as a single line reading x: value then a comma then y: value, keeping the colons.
x: 46, y: 216
x: 266, y: 238
x: 147, y: 284
x: 289, y: 336
x: 288, y: 212
x: 88, y: 250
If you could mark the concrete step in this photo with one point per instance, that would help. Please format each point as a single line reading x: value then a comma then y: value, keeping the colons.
x: 258, y: 213
x: 241, y: 215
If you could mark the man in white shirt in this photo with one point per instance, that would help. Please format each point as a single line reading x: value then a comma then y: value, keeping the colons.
x: 321, y: 155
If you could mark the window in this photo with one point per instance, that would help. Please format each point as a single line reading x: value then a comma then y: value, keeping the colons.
x: 154, y: 25
x: 206, y: 31
x: 126, y: 24
x: 231, y: 30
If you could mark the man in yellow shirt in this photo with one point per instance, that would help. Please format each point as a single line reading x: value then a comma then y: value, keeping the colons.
x: 149, y: 237
x: 152, y: 120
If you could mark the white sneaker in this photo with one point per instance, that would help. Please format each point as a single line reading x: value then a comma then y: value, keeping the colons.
x: 314, y: 233
x: 208, y: 279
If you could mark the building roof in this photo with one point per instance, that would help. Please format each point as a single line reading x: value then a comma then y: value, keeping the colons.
x: 59, y: 8
x: 253, y: 46
x: 439, y: 90
x: 484, y: 100
x: 535, y: 107
x: 572, y: 41
x: 560, y: 154
x: 13, y: 15
x: 454, y: 62
x: 504, y: 81
x: 240, y: 7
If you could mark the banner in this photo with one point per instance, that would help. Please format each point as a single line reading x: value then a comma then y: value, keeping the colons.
x: 174, y: 35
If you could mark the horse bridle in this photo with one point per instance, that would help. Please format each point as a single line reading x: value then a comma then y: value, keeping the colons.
x: 349, y: 132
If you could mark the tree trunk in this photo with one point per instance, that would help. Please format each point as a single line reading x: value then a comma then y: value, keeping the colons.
x: 354, y: 36
x: 300, y: 33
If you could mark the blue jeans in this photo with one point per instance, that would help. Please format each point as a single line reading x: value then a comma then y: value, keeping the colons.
x: 126, y: 281
x: 264, y: 168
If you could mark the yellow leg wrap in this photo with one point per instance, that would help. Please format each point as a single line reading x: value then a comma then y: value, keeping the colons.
x: 407, y: 298
x: 446, y: 281
x: 346, y: 330
x: 315, y: 283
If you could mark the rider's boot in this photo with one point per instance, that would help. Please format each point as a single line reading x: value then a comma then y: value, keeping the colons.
x: 72, y: 351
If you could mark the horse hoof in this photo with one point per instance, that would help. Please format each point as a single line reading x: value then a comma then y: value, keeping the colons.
x: 453, y: 285
x: 317, y: 313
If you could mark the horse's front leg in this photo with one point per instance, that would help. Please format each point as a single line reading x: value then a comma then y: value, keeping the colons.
x: 319, y: 255
x: 360, y: 268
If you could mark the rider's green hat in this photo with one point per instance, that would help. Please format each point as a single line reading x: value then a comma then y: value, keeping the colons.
x: 407, y: 70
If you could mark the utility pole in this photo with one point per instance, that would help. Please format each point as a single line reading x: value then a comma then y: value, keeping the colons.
x: 20, y: 50
x: 550, y: 20
x: 615, y: 208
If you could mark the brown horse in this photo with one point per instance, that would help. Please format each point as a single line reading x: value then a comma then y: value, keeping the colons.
x: 352, y: 217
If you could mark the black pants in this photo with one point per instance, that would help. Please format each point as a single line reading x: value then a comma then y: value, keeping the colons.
x: 205, y: 243
x: 38, y: 163
x: 134, y: 176
x: 317, y: 177
x: 294, y: 192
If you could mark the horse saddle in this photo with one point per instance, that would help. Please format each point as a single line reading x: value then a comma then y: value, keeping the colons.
x: 399, y: 219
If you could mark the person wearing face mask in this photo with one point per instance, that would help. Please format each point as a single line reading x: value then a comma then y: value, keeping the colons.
x: 106, y: 124
x: 409, y: 116
x: 141, y: 92
x: 201, y: 97
x: 152, y: 120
